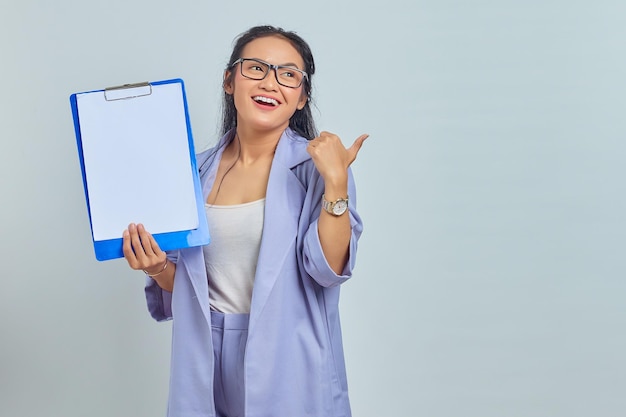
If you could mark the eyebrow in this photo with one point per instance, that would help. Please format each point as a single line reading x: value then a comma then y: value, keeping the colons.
x: 290, y: 64
x: 287, y: 64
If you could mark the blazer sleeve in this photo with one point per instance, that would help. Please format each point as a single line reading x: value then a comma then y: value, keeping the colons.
x: 159, y: 300
x: 315, y: 263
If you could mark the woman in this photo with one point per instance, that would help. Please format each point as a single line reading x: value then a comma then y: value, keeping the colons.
x: 255, y: 313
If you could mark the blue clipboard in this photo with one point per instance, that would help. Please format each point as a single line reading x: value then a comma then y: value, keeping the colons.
x: 138, y: 165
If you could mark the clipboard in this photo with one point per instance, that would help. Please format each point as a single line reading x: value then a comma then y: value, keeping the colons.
x: 138, y: 165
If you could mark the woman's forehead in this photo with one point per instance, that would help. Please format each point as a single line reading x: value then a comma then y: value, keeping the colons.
x: 273, y: 49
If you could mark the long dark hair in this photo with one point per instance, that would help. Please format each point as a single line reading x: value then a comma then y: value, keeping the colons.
x: 302, y: 120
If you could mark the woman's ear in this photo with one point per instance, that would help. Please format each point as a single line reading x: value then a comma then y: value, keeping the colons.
x: 228, y: 83
x: 303, y: 99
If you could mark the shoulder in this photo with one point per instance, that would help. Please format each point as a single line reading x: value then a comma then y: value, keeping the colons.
x: 292, y: 149
x: 295, y: 138
x: 204, y: 158
x: 295, y: 142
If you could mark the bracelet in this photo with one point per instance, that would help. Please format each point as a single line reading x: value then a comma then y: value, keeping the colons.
x: 158, y: 273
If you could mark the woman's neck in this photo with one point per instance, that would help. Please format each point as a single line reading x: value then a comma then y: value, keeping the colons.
x: 253, y: 145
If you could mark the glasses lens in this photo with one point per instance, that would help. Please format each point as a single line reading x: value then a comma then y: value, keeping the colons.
x: 254, y: 69
x: 289, y: 77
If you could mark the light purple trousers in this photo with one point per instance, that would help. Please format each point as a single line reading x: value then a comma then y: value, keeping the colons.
x: 230, y: 334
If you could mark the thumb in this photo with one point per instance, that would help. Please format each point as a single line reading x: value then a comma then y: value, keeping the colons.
x: 356, y: 146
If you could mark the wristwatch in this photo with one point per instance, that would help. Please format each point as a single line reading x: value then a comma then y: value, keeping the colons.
x: 337, y: 207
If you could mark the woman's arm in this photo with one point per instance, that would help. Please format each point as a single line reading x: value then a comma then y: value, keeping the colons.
x: 335, y: 231
x: 332, y: 160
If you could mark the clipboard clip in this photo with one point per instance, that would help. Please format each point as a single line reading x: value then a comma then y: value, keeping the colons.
x: 127, y: 91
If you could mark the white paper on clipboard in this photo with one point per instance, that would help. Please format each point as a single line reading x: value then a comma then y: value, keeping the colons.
x: 136, y: 160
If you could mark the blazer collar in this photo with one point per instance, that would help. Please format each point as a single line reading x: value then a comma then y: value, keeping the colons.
x: 288, y: 152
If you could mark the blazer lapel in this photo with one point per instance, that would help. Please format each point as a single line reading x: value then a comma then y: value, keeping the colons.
x: 192, y: 259
x: 283, y: 205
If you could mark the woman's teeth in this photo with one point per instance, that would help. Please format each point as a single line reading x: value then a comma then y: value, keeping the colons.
x: 266, y: 100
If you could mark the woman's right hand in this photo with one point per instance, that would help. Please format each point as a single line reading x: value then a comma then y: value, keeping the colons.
x: 141, y: 251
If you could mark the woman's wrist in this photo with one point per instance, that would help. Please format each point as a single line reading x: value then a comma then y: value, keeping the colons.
x: 336, y: 181
x: 158, y: 271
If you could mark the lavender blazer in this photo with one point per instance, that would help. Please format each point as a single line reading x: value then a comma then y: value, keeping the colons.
x: 294, y: 363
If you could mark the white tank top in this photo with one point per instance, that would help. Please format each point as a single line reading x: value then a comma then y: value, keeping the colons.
x: 232, y: 255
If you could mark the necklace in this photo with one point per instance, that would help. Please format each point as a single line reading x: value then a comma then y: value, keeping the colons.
x: 219, y: 186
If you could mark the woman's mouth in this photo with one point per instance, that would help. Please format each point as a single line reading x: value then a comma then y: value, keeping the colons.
x: 265, y: 101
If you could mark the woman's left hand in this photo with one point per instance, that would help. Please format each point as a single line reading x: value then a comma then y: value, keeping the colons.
x: 330, y: 157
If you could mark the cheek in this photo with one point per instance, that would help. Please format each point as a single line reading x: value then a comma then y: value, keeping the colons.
x: 238, y: 100
x: 295, y: 96
x: 238, y: 92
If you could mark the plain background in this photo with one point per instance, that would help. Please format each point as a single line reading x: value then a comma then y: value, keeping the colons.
x: 490, y: 279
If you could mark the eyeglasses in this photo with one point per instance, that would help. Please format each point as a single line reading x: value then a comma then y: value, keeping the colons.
x: 255, y: 69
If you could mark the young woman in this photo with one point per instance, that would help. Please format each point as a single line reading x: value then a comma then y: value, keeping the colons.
x: 255, y: 313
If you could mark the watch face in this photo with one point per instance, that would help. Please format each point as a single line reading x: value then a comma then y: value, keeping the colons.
x: 340, y: 207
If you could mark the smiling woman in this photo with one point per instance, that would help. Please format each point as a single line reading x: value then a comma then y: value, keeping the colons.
x: 256, y: 326
x: 253, y: 83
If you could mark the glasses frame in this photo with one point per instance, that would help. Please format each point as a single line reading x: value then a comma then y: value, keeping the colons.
x: 270, y: 68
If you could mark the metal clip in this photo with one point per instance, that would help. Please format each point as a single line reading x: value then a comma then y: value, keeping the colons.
x: 127, y: 91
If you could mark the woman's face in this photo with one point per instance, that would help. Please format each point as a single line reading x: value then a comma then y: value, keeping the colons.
x: 265, y: 104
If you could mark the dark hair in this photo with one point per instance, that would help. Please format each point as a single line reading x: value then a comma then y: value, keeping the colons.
x: 302, y: 120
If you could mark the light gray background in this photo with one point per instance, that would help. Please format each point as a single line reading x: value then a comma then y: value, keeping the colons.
x: 490, y: 279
